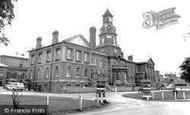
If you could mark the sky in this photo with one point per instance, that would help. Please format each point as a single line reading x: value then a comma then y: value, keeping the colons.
x: 167, y: 47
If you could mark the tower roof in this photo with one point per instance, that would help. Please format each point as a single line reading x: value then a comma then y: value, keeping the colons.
x: 107, y: 13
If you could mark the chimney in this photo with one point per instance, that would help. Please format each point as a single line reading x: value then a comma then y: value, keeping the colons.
x: 130, y: 58
x: 38, y: 42
x: 92, y: 37
x: 55, y: 36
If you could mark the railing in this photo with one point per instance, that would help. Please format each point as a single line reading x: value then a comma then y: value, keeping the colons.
x: 163, y: 96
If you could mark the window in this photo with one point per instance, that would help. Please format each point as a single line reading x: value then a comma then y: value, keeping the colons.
x: 108, y: 36
x: 96, y: 62
x: 77, y: 72
x: 32, y: 59
x: 20, y: 65
x: 86, y: 72
x: 86, y: 57
x: 47, y: 72
x: 38, y: 72
x: 30, y: 74
x: 69, y: 53
x: 78, y: 55
x: 57, y: 54
x: 48, y: 56
x: 92, y: 60
x: 40, y: 58
x: 101, y: 63
x: 56, y: 71
x: 68, y: 71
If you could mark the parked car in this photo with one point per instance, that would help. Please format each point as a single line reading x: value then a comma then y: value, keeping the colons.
x: 14, y: 86
x: 145, y: 86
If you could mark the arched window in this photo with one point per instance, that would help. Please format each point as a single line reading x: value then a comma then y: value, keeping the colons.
x: 56, y: 71
x: 38, y: 72
x: 47, y: 72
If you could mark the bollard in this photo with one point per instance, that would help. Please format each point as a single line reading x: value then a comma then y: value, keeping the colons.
x: 47, y: 100
x: 115, y: 88
x: 80, y: 101
x: 152, y: 95
x: 97, y: 99
x: 101, y: 95
x: 175, y: 95
x: 183, y: 94
x: 162, y: 95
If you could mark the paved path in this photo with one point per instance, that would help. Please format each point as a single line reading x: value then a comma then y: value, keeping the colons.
x: 125, y: 106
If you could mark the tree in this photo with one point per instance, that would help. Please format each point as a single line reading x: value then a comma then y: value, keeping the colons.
x: 185, y: 70
x: 6, y: 17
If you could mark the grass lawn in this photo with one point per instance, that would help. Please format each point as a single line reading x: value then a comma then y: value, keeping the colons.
x: 168, y: 96
x: 57, y: 105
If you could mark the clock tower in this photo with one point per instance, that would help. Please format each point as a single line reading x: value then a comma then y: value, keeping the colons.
x: 108, y: 37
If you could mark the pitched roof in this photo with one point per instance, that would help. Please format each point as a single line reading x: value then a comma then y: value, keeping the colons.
x: 150, y: 61
x: 78, y: 39
x: 3, y: 65
x: 107, y: 13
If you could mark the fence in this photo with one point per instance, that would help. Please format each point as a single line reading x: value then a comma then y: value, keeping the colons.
x: 182, y: 94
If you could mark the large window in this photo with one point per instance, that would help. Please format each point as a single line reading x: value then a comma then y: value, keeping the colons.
x: 47, y: 72
x: 31, y: 74
x: 48, y: 56
x: 40, y: 58
x: 86, y: 72
x: 56, y: 71
x: 92, y: 60
x: 101, y: 63
x: 38, y: 72
x: 57, y: 54
x: 96, y: 62
x: 68, y: 71
x: 69, y: 53
x: 32, y: 61
x: 78, y: 55
x: 86, y: 57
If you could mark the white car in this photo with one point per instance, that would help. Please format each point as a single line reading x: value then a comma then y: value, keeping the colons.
x: 169, y: 86
x: 15, y: 86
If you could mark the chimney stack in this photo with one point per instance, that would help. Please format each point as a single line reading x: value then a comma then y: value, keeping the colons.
x: 92, y: 37
x: 38, y: 42
x: 55, y: 36
x: 130, y: 58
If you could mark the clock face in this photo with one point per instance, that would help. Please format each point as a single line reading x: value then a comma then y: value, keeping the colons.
x: 109, y: 27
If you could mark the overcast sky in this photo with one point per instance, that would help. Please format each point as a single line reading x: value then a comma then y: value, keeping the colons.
x: 167, y: 47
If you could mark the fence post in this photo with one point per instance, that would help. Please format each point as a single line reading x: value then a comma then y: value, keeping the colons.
x: 152, y: 95
x: 47, y: 100
x: 101, y: 95
x: 175, y: 95
x: 115, y: 88
x: 162, y: 95
x: 183, y: 94
x: 97, y: 99
x: 80, y: 101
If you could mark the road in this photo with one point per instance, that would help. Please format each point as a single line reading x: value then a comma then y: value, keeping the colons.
x: 126, y: 106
